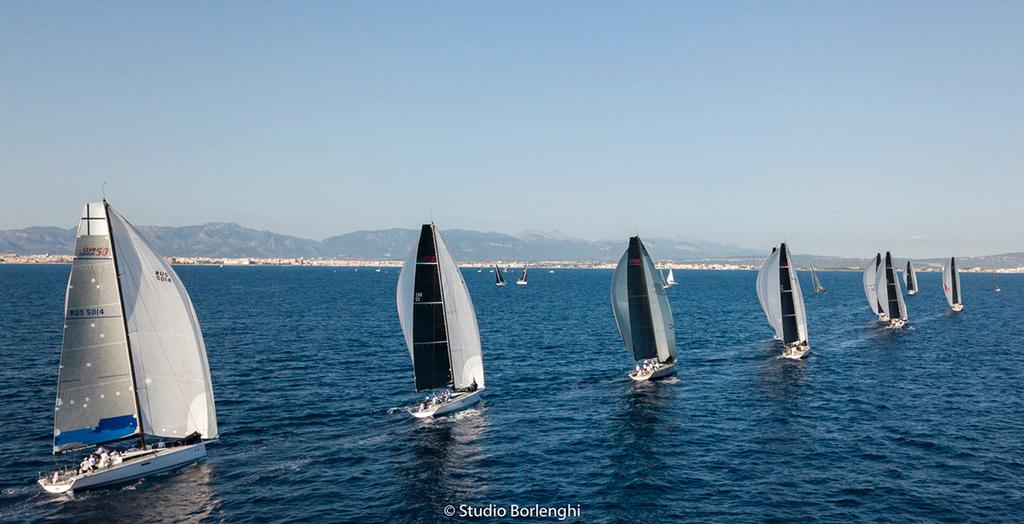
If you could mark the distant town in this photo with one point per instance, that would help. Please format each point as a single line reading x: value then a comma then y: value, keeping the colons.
x: 713, y: 265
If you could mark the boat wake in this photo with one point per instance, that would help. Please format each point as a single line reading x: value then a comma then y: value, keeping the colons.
x: 400, y: 409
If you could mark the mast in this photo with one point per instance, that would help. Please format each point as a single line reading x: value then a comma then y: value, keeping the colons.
x: 124, y: 323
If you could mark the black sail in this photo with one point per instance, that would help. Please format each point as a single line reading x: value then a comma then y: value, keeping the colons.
x: 790, y: 331
x: 498, y: 279
x: 641, y: 323
x: 953, y: 279
x: 878, y: 264
x: 431, y: 360
x: 891, y: 293
x: 910, y: 278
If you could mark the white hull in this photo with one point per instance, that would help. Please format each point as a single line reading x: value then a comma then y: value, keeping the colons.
x: 662, y: 370
x: 501, y: 284
x: 958, y: 307
x: 911, y: 292
x: 521, y: 283
x: 795, y: 351
x: 459, y: 402
x: 135, y: 465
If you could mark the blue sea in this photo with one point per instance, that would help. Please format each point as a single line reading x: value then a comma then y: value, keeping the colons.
x: 311, y: 374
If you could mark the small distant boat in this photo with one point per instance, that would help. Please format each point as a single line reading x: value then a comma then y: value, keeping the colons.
x: 133, y: 361
x: 778, y: 288
x: 508, y: 268
x: 498, y: 279
x: 890, y: 296
x: 670, y: 280
x: 951, y: 285
x: 522, y: 279
x: 910, y: 279
x: 818, y: 288
x: 995, y: 284
x: 439, y: 324
x: 643, y: 314
x: 870, y: 291
x: 551, y: 271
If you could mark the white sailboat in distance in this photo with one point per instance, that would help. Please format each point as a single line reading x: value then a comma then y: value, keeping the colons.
x: 439, y: 324
x: 778, y: 287
x: 951, y: 285
x: 643, y: 314
x: 890, y: 296
x: 995, y: 284
x: 133, y: 363
x: 910, y: 279
x: 522, y: 279
x: 818, y: 288
x: 671, y: 279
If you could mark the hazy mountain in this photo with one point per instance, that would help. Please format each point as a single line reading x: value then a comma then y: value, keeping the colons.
x: 232, y: 240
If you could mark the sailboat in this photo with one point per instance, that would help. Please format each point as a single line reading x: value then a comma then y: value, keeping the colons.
x: 870, y: 291
x: 890, y: 296
x: 670, y: 280
x: 378, y: 268
x: 133, y: 363
x: 910, y: 279
x: 439, y: 324
x: 996, y: 284
x: 818, y: 288
x: 778, y: 288
x: 951, y: 285
x: 498, y: 279
x: 643, y: 314
x: 522, y: 279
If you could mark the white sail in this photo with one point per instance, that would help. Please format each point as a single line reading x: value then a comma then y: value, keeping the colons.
x: 620, y: 301
x: 463, y: 332
x: 870, y: 288
x: 175, y: 393
x: 671, y: 280
x: 798, y: 298
x: 767, y: 285
x: 95, y: 401
x: 881, y: 292
x: 910, y: 278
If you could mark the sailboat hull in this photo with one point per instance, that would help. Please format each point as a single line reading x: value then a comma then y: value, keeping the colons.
x: 958, y: 307
x: 458, y: 403
x: 136, y: 465
x: 662, y: 371
x: 911, y: 292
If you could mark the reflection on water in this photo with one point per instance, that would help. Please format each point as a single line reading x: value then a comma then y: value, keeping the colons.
x: 445, y: 460
x: 183, y: 495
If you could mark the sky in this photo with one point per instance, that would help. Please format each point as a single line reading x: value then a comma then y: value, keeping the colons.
x: 844, y: 128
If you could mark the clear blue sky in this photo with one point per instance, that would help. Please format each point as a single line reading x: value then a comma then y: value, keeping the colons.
x: 843, y: 127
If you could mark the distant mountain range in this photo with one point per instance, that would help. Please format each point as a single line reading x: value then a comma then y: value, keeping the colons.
x: 229, y: 240
x: 233, y: 240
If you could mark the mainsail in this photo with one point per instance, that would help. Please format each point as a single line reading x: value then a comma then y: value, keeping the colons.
x: 671, y: 280
x: 437, y: 317
x: 791, y: 299
x: 641, y: 307
x: 910, y: 278
x: 498, y: 279
x: 522, y: 279
x: 887, y: 287
x: 870, y: 274
x: 133, y: 360
x: 951, y: 282
x: 772, y: 309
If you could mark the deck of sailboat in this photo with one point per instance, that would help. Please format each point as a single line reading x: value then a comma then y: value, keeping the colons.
x: 459, y: 401
x: 134, y: 464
